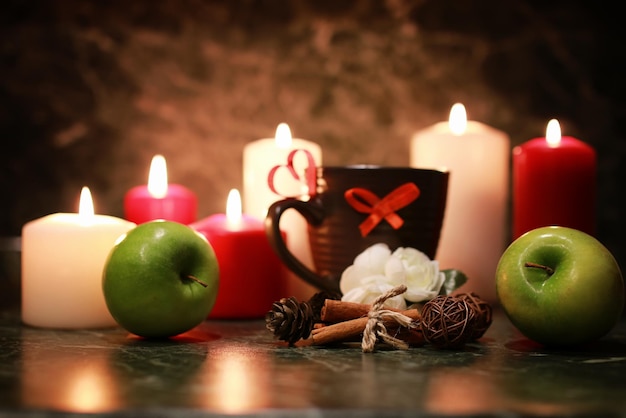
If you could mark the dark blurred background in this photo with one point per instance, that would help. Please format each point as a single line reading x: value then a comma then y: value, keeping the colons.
x: 91, y: 90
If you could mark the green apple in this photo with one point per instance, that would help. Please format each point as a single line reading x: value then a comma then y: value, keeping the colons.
x: 160, y: 279
x: 560, y: 286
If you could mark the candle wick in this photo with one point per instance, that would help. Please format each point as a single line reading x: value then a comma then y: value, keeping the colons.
x: 195, y: 279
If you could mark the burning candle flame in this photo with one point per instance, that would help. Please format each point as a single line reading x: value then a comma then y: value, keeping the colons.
x: 85, y: 206
x: 157, y: 178
x: 233, y: 208
x: 553, y: 133
x: 458, y: 119
x: 283, y: 136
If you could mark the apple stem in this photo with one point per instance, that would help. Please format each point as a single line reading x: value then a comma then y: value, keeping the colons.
x: 195, y: 279
x: 548, y: 270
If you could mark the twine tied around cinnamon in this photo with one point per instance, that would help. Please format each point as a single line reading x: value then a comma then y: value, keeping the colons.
x: 375, y: 327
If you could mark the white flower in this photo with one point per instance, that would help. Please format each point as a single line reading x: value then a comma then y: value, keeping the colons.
x: 370, y: 262
x: 377, y: 270
x: 422, y: 276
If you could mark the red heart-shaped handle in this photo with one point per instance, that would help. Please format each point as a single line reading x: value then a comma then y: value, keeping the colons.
x: 310, y: 173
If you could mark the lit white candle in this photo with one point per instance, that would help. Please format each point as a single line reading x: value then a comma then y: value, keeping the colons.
x: 473, y: 236
x: 63, y: 255
x: 259, y: 157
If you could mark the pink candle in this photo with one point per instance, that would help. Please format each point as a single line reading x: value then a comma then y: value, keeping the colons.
x: 477, y: 156
x: 554, y: 183
x: 251, y: 275
x: 160, y: 200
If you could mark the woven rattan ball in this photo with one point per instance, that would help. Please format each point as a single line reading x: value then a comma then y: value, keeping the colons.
x: 447, y: 321
x: 482, y: 310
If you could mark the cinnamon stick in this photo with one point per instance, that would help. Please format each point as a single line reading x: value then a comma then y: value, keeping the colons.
x: 337, y: 310
x: 412, y: 336
x: 346, y: 330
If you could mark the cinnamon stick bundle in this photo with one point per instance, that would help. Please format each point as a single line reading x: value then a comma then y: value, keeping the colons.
x: 348, y: 321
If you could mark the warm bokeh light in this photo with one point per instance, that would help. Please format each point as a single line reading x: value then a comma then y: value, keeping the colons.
x: 458, y: 119
x: 157, y: 178
x: 88, y: 391
x: 236, y: 392
x: 283, y: 136
x: 462, y: 392
x: 553, y: 133
x: 66, y: 376
x: 243, y: 379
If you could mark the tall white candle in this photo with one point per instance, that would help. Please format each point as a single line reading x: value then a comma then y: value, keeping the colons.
x: 259, y: 157
x: 473, y: 235
x: 63, y: 256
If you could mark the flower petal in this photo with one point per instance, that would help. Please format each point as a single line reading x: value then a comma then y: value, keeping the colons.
x: 370, y: 262
x: 350, y: 279
x: 422, y: 276
x: 373, y: 258
x: 395, y: 271
x: 373, y: 288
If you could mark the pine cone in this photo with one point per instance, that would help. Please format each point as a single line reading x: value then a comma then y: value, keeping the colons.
x: 317, y: 302
x: 290, y: 320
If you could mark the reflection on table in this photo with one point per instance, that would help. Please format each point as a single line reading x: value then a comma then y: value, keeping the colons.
x: 237, y: 368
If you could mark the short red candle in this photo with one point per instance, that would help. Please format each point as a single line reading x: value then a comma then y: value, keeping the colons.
x: 554, y: 184
x: 171, y: 202
x: 252, y: 276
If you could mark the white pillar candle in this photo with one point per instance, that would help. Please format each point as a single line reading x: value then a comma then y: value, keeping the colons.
x: 63, y: 256
x: 473, y: 235
x: 259, y: 157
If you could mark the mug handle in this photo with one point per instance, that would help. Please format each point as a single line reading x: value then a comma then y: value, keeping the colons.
x: 313, y: 212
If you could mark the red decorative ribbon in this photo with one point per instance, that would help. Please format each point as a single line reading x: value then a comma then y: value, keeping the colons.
x: 364, y: 201
x: 310, y: 173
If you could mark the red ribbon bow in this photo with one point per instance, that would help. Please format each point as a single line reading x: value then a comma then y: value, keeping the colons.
x: 310, y: 173
x: 364, y: 201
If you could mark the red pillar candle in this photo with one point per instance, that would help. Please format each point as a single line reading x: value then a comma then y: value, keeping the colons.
x: 160, y: 200
x: 251, y: 274
x: 554, y: 183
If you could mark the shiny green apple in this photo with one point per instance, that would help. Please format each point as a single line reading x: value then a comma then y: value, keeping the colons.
x: 560, y: 286
x: 160, y: 279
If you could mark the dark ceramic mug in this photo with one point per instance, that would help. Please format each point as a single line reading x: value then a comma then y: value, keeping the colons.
x: 356, y: 207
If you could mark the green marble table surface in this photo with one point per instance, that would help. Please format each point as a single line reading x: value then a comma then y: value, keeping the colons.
x: 237, y: 368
